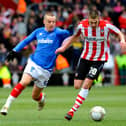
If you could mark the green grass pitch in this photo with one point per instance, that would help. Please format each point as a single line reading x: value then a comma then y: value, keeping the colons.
x: 23, y: 111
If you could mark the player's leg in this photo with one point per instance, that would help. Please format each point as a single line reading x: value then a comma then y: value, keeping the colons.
x: 27, y: 77
x: 92, y: 73
x: 95, y: 69
x: 16, y: 91
x: 38, y: 96
x: 81, y: 97
x: 41, y: 82
x: 78, y: 81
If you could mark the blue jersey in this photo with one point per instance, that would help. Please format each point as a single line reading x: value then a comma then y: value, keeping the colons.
x: 47, y: 43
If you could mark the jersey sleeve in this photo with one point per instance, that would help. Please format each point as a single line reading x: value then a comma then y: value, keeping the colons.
x: 25, y: 42
x: 112, y: 28
x: 77, y: 32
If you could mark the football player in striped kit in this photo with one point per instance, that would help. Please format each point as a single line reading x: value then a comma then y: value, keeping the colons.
x: 41, y: 62
x: 96, y: 34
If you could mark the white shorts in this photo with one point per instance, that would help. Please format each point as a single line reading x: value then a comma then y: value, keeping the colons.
x: 40, y: 75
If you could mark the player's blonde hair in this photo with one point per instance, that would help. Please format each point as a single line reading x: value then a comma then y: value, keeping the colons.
x: 48, y: 13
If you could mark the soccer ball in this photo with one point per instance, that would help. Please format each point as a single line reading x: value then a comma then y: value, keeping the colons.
x: 97, y: 113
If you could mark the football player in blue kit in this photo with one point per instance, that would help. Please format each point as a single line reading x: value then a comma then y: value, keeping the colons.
x: 40, y: 63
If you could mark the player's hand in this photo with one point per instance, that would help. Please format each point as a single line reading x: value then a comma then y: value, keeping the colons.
x: 59, y: 50
x: 123, y: 47
x: 122, y: 41
x: 10, y: 56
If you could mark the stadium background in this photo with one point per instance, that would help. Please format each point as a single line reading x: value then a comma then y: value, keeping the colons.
x: 60, y: 98
x: 18, y: 18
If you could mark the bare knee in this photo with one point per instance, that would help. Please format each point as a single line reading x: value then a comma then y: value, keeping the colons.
x: 25, y: 80
x: 78, y: 84
x: 87, y: 83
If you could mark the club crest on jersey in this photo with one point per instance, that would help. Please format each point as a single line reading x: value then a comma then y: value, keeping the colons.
x: 40, y: 33
x: 102, y: 31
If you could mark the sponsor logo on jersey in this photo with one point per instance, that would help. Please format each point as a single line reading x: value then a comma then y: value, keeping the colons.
x: 45, y: 41
x: 94, y: 38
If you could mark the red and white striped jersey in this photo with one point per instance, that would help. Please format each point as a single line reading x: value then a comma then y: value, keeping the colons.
x: 96, y: 40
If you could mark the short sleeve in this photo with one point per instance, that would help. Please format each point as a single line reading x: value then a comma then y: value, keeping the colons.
x: 112, y: 28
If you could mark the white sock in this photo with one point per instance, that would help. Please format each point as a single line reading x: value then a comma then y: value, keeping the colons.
x: 43, y: 97
x: 82, y: 95
x: 9, y: 100
x: 84, y: 92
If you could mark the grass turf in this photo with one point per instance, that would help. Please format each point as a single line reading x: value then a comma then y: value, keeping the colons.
x: 23, y: 111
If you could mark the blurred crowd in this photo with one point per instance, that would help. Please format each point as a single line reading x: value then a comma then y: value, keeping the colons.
x: 15, y: 25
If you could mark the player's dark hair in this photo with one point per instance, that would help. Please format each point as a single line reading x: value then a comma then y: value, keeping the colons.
x: 93, y: 14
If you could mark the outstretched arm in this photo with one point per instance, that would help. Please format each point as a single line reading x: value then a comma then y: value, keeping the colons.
x: 66, y: 43
x: 25, y: 42
x: 120, y: 34
x: 21, y: 45
x: 122, y: 41
x: 122, y: 37
x: 117, y: 31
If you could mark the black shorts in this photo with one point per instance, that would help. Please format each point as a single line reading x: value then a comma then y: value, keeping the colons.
x: 88, y: 69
